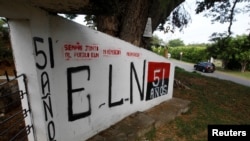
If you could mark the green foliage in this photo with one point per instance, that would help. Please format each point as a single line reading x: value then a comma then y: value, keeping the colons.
x: 175, y: 43
x: 234, y: 51
x: 160, y: 50
x: 91, y: 21
x: 156, y: 41
x: 157, y: 46
x: 192, y: 53
x: 151, y: 134
x: 189, y: 54
x: 5, y: 52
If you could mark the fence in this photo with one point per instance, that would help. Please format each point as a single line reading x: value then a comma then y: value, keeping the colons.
x: 14, y: 109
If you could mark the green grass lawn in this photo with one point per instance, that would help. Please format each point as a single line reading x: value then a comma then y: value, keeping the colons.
x: 213, y: 101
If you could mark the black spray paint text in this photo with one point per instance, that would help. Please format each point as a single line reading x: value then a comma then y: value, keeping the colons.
x: 154, y: 91
x: 45, y: 83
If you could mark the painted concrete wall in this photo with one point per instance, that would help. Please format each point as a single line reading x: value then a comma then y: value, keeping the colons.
x: 82, y: 81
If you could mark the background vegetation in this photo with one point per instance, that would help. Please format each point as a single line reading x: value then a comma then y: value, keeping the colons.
x: 5, y: 48
x: 189, y: 53
x: 234, y: 52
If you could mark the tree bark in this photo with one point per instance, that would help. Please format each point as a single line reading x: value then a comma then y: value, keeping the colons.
x: 130, y: 18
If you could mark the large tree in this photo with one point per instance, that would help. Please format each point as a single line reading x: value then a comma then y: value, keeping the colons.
x: 176, y: 43
x: 127, y: 19
x: 226, y: 47
x: 130, y: 17
x: 232, y: 51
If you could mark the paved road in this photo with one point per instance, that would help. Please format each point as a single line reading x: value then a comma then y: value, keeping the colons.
x: 217, y: 74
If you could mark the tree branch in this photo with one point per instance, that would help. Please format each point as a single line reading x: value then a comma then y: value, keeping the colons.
x: 231, y: 18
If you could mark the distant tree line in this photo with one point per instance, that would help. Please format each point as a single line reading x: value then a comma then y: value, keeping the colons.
x: 233, y: 51
x: 189, y: 53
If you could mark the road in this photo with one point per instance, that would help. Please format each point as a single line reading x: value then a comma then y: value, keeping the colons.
x: 217, y: 74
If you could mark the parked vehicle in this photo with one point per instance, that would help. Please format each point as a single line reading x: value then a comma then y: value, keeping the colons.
x: 205, y: 67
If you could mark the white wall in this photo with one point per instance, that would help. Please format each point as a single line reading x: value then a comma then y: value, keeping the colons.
x: 73, y: 98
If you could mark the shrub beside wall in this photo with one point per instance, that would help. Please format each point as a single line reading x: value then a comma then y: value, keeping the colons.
x: 189, y: 54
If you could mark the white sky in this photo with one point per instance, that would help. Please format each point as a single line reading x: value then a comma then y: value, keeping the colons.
x: 201, y: 28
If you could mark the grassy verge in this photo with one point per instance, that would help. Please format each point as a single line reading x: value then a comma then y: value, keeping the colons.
x: 213, y: 101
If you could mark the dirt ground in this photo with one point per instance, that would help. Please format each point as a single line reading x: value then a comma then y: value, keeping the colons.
x: 7, y: 66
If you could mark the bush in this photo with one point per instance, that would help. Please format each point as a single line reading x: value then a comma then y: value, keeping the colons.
x: 189, y: 54
x: 158, y: 50
x: 5, y: 53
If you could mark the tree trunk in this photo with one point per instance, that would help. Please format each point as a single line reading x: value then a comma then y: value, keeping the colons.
x: 108, y: 24
x: 129, y: 20
x: 243, y: 66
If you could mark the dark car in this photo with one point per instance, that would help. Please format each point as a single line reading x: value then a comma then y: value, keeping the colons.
x: 205, y: 67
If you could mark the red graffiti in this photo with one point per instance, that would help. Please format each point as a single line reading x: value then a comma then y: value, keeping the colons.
x: 133, y: 54
x: 72, y: 47
x: 91, y: 48
x: 79, y: 52
x: 111, y: 52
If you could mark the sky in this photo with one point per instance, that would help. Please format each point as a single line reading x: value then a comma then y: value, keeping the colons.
x: 200, y: 28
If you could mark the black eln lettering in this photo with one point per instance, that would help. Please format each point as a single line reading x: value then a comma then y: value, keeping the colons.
x: 112, y: 104
x: 74, y: 116
x: 51, y: 131
x: 141, y: 90
x: 47, y: 107
x: 40, y: 52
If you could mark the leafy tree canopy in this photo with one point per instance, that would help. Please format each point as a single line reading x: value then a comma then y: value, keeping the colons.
x: 231, y: 49
x: 156, y: 41
x: 176, y: 43
x: 116, y: 17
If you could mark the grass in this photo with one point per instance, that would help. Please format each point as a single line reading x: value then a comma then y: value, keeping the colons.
x: 213, y: 101
x: 151, y: 134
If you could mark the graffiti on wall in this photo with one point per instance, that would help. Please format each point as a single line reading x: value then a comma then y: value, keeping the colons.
x: 77, y: 51
x: 80, y: 52
x: 45, y: 82
x: 112, y: 52
x: 156, y: 80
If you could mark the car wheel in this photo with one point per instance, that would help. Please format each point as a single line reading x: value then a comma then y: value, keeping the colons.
x: 203, y: 70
